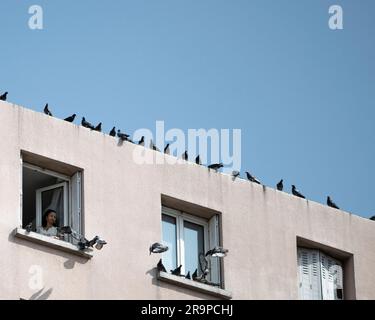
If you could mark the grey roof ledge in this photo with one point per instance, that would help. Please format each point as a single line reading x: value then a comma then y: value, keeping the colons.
x: 194, y: 285
x: 51, y: 242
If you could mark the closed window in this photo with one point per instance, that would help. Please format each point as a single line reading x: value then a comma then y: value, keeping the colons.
x: 320, y: 276
x: 189, y: 238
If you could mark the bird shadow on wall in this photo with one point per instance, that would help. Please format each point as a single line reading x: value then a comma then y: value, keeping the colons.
x: 40, y: 295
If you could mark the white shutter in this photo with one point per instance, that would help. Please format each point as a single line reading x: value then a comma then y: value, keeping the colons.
x: 315, y: 275
x: 214, y: 240
x: 320, y: 276
x: 76, y: 202
x: 304, y: 274
x: 328, y: 270
x: 309, y: 274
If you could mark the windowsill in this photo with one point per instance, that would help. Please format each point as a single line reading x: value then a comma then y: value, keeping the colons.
x: 51, y: 242
x: 194, y: 285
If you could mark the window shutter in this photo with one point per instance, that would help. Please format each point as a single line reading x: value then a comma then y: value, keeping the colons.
x: 327, y: 269
x: 304, y: 274
x: 309, y: 274
x: 213, y: 233
x: 315, y: 275
x: 76, y: 202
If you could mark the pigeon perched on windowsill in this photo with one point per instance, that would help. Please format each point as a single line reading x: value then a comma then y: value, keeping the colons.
x: 177, y: 271
x: 160, y: 266
x: 195, y: 274
x: 29, y: 227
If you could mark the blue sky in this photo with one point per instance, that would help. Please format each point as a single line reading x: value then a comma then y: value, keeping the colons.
x: 302, y: 94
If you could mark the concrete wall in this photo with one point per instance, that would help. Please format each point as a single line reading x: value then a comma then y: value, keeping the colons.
x: 122, y: 203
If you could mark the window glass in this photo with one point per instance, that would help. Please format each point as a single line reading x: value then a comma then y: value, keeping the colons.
x: 193, y: 245
x: 169, y: 231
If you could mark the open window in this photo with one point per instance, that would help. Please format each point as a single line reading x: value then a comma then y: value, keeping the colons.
x: 189, y: 237
x: 44, y: 189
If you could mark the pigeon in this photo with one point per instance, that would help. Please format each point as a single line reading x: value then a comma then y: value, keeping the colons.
x: 112, y: 133
x: 188, y: 276
x: 98, y: 127
x: 185, y: 156
x: 296, y: 192
x: 195, y: 274
x: 158, y: 248
x: 215, y: 166
x: 153, y: 147
x: 122, y: 136
x: 331, y: 204
x: 198, y: 160
x: 92, y: 242
x: 82, y: 244
x: 100, y: 243
x: 280, y: 185
x: 252, y: 178
x: 177, y: 271
x: 160, y: 266
x: 3, y: 97
x: 46, y: 110
x: 142, y: 141
x: 66, y: 230
x: 86, y: 124
x: 29, y: 227
x: 166, y: 149
x: 206, y: 271
x: 235, y: 174
x: 71, y: 118
x: 217, y: 252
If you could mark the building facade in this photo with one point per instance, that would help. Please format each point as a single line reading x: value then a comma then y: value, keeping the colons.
x: 280, y: 246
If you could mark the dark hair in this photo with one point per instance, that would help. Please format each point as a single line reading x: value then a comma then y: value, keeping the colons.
x: 45, y: 215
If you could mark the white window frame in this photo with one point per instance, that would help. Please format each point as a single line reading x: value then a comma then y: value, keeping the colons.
x: 68, y: 195
x: 180, y: 216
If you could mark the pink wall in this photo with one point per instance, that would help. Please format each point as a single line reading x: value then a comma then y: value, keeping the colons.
x: 122, y: 203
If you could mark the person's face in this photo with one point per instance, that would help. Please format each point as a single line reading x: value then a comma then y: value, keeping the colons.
x: 51, y: 218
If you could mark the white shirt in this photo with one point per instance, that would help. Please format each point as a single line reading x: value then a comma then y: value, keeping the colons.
x: 51, y: 232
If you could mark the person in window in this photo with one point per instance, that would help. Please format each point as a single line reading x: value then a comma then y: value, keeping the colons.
x: 48, y: 227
